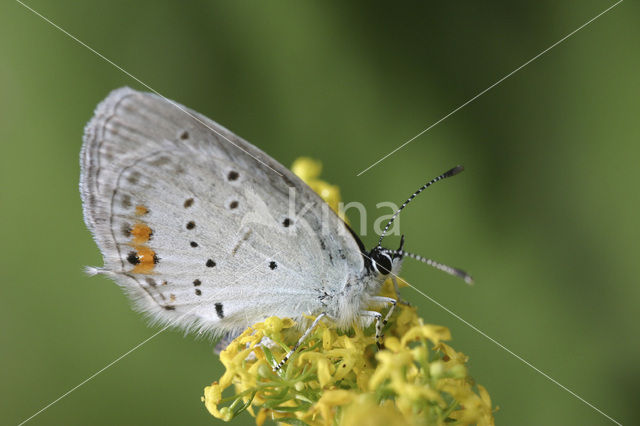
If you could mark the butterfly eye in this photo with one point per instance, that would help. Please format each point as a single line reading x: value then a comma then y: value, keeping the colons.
x: 381, y: 261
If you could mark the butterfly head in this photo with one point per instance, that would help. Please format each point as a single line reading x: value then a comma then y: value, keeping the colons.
x: 383, y: 261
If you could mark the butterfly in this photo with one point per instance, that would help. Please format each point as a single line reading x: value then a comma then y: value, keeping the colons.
x: 206, y: 232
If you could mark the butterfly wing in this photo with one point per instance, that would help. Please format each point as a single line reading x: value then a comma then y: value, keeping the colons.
x: 201, y: 228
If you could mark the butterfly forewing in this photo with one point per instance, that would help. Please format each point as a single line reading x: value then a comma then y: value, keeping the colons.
x: 200, y: 227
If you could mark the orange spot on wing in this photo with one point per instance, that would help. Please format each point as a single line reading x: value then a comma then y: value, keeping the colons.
x: 141, y: 233
x: 172, y: 297
x: 147, y: 260
x: 141, y: 210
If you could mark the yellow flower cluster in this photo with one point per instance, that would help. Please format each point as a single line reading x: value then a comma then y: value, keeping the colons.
x: 341, y: 377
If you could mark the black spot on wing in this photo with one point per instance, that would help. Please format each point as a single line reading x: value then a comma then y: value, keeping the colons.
x: 133, y: 258
x: 219, y: 310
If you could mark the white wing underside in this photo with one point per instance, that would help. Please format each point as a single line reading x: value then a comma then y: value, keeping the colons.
x: 191, y: 219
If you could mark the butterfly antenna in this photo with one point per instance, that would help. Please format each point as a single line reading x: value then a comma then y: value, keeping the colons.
x: 449, y: 173
x: 440, y: 266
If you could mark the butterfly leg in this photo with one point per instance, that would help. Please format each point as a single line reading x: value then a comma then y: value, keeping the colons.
x: 383, y: 301
x: 397, y: 290
x: 380, y: 322
x: 299, y: 342
x: 378, y: 317
x: 379, y: 300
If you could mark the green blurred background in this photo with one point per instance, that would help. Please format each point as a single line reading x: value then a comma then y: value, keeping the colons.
x: 545, y: 215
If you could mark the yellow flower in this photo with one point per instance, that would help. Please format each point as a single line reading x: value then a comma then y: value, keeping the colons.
x: 309, y: 171
x: 366, y: 411
x: 341, y: 377
x: 212, y: 397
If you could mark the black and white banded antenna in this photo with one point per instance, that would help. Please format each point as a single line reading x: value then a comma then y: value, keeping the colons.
x: 449, y: 173
x: 439, y: 266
